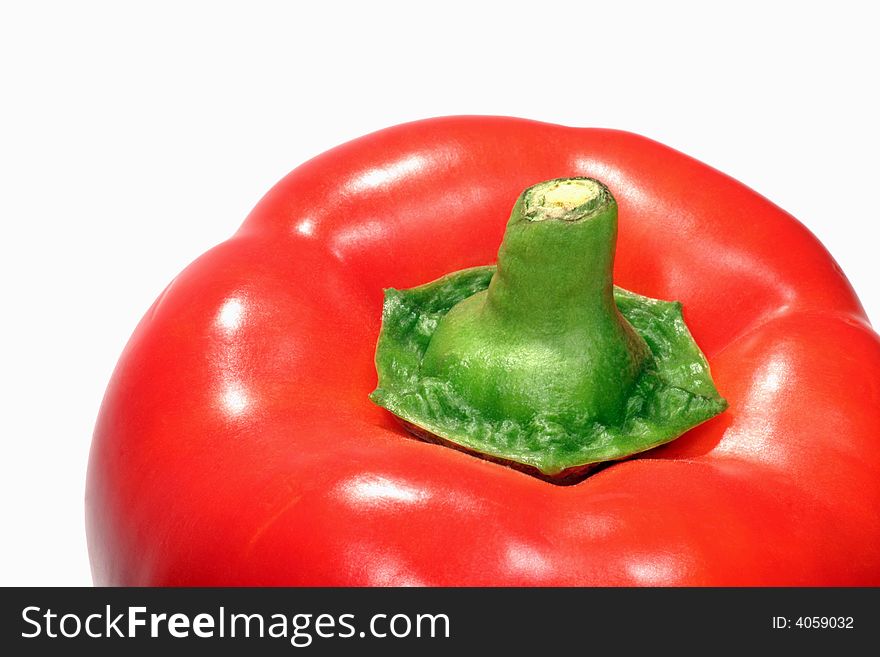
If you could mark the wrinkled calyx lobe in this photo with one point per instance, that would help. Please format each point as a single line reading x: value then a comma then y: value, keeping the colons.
x: 538, y: 366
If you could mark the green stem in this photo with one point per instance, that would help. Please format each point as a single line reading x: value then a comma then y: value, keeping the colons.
x: 554, y: 265
x: 546, y: 336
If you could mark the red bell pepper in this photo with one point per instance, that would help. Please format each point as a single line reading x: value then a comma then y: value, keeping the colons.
x: 237, y: 444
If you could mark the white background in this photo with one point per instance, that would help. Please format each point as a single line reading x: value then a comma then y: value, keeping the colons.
x: 133, y: 138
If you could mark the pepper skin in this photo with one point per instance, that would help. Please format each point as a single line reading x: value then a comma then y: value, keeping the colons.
x: 236, y: 443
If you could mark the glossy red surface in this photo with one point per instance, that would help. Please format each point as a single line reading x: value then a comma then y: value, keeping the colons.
x: 236, y: 444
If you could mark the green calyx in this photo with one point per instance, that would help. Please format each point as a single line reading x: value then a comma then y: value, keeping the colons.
x: 541, y: 363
